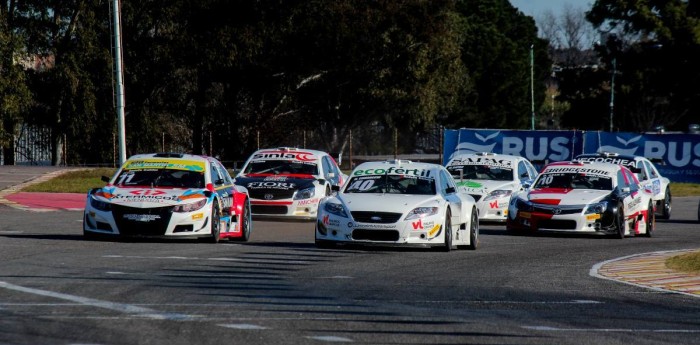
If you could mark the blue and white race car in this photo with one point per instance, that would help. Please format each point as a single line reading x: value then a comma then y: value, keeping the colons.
x: 491, y: 179
x: 171, y: 195
x: 399, y: 202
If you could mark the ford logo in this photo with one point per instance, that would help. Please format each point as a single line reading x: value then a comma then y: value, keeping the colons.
x: 269, y: 196
x: 376, y: 218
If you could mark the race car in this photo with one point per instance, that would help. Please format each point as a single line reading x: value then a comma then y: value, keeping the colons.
x: 171, y: 195
x: 647, y: 174
x: 399, y: 202
x: 288, y: 182
x: 491, y: 179
x: 583, y: 197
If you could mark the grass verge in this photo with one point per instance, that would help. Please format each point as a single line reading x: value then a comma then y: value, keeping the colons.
x: 685, y: 189
x: 79, y: 181
x: 689, y: 263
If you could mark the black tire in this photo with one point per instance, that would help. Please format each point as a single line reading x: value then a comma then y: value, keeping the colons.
x: 215, y: 223
x: 474, y: 231
x: 651, y: 220
x: 448, y: 232
x: 321, y: 244
x: 620, y: 222
x: 666, y: 205
x: 246, y: 222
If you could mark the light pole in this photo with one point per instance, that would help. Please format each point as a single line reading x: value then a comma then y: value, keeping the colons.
x: 612, y: 92
x: 120, y: 81
x: 532, y: 87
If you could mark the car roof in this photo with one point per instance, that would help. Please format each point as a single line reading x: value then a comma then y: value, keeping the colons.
x: 594, y: 168
x: 610, y: 157
x: 171, y: 156
x: 486, y: 158
x: 396, y: 166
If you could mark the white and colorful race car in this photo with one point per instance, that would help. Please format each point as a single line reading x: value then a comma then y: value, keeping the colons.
x: 582, y: 197
x: 289, y: 182
x: 491, y: 179
x: 647, y: 174
x: 170, y: 195
x: 399, y: 202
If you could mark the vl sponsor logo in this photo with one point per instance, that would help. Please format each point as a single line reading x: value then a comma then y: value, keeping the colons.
x: 417, y: 225
x: 493, y: 204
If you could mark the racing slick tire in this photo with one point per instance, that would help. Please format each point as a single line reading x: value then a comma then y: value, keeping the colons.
x: 473, y: 231
x: 651, y: 220
x: 666, y: 205
x: 448, y: 232
x: 215, y: 224
x: 322, y: 244
x: 619, y: 222
x: 246, y: 222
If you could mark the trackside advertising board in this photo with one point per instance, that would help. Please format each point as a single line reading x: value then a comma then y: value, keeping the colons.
x: 678, y: 155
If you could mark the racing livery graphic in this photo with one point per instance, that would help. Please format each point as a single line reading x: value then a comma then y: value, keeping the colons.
x: 288, y: 182
x: 399, y: 203
x: 583, y: 197
x: 169, y: 195
x: 491, y: 179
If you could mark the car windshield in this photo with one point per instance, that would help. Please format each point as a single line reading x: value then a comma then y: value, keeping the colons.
x: 481, y: 172
x: 281, y: 167
x: 574, y: 181
x: 391, y: 184
x: 160, y: 178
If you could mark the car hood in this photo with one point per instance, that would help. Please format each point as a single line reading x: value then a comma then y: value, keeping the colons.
x: 275, y: 182
x: 485, y: 186
x: 377, y: 202
x: 144, y: 197
x: 563, y: 196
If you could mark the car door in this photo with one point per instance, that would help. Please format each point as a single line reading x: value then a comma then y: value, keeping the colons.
x: 329, y: 172
x: 653, y: 184
x: 223, y: 185
x: 634, y: 197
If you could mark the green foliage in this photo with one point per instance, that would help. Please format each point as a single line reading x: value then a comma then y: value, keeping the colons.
x: 78, y: 181
x: 689, y: 263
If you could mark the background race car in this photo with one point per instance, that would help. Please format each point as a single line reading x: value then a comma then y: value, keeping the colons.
x: 289, y: 182
x: 581, y: 197
x: 647, y: 174
x: 491, y: 179
x: 399, y: 203
x: 169, y: 195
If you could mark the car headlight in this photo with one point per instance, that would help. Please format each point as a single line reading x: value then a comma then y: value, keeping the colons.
x: 421, y: 212
x: 336, y: 209
x: 100, y: 205
x: 305, y: 193
x: 190, y: 207
x: 598, y: 207
x: 498, y: 193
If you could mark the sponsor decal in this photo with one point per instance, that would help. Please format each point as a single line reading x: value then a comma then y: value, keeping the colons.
x: 271, y: 184
x: 469, y: 184
x: 290, y: 155
x: 393, y: 171
x: 197, y: 216
x: 145, y: 195
x: 526, y: 215
x: 417, y: 225
x: 141, y: 217
x: 145, y: 164
x: 493, y: 204
x: 592, y: 217
x: 634, y: 203
x: 307, y: 202
x: 578, y: 170
x: 434, y: 230
x: 147, y: 192
x: 328, y: 221
x: 626, y: 162
x: 375, y: 226
x: 494, y: 162
x: 276, y: 178
x: 105, y: 193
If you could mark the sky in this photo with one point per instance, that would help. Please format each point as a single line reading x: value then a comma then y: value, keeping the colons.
x: 535, y: 8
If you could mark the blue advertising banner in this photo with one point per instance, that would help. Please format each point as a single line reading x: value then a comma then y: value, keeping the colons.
x: 679, y: 154
x: 536, y: 146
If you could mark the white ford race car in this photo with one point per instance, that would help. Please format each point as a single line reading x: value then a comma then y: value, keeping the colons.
x: 581, y: 197
x: 288, y: 182
x: 647, y: 174
x: 491, y: 179
x: 169, y: 195
x: 399, y: 202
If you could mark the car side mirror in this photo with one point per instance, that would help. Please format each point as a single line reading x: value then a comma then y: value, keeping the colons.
x: 321, y: 181
x: 104, y: 178
x: 335, y: 188
x: 219, y: 182
x: 449, y: 190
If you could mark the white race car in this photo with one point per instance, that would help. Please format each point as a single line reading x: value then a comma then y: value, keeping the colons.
x: 169, y: 195
x: 581, y: 197
x: 289, y: 182
x: 491, y: 179
x: 399, y: 202
x: 647, y: 174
